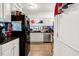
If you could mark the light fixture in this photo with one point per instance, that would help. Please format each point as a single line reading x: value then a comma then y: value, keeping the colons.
x: 33, y: 6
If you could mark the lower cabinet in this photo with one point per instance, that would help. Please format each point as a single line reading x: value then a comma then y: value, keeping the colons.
x: 47, y: 37
x: 11, y: 48
x: 0, y: 49
x: 8, y: 52
x: 16, y: 47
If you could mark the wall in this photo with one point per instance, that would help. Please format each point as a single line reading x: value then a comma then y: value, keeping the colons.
x: 46, y: 16
x: 66, y: 36
x: 42, y: 15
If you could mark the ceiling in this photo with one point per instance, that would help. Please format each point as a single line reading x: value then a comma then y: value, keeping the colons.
x: 40, y: 7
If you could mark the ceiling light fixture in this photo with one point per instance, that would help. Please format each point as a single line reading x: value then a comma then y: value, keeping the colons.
x: 33, y: 6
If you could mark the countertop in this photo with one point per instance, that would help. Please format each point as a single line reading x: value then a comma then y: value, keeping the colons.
x: 40, y: 32
x: 8, y: 40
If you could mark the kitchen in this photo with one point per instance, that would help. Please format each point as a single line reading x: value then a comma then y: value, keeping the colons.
x: 22, y: 27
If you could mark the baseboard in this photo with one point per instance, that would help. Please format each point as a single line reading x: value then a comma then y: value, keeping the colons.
x: 39, y: 42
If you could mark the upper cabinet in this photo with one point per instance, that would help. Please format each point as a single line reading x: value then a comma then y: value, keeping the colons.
x: 6, y: 9
x: 7, y: 12
x: 1, y: 19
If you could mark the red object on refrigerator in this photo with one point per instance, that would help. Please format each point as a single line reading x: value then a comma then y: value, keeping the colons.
x: 58, y: 5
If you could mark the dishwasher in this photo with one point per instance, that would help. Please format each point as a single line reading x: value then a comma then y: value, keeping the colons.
x: 47, y: 37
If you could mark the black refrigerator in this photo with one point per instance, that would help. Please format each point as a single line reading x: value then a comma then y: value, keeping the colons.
x: 24, y: 48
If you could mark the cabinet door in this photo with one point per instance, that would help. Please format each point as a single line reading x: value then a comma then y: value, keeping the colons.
x: 11, y: 48
x: 7, y: 12
x: 7, y: 49
x: 16, y: 47
x: 8, y: 52
x: 1, y: 11
x: 0, y: 49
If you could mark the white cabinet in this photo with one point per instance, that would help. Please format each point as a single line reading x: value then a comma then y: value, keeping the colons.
x: 6, y: 9
x: 0, y: 50
x: 1, y: 19
x: 11, y: 48
x: 7, y: 49
x: 40, y: 37
x: 8, y: 52
x: 7, y: 12
x: 16, y: 47
x: 36, y: 37
x: 7, y: 46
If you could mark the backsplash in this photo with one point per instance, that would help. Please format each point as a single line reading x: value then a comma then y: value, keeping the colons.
x: 7, y: 28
